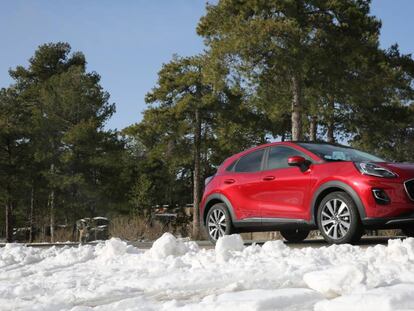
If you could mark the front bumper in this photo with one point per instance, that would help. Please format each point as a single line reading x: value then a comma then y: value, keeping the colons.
x: 401, y: 222
x: 399, y: 205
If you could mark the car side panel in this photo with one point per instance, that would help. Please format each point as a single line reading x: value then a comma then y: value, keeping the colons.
x: 287, y: 195
x: 242, y: 193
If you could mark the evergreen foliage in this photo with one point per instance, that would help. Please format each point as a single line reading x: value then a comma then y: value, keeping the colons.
x: 272, y: 69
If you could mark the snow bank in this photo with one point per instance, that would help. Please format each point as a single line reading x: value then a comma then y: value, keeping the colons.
x: 228, y: 244
x: 257, y: 299
x: 113, y: 248
x: 397, y: 297
x: 276, y: 248
x: 15, y: 253
x: 167, y: 245
x: 176, y: 275
x: 335, y: 281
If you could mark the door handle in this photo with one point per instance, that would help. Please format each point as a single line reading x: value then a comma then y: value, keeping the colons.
x: 268, y: 178
x: 229, y: 181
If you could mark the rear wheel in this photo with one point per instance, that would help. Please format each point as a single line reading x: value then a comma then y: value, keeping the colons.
x: 218, y: 222
x: 294, y: 235
x: 338, y: 219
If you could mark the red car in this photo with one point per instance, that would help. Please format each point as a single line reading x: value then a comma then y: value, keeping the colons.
x: 295, y: 187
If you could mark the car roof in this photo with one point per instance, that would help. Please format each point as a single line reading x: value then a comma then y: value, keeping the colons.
x: 294, y: 144
x: 284, y: 143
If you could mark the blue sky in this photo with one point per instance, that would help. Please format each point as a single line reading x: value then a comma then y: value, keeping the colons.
x: 126, y: 42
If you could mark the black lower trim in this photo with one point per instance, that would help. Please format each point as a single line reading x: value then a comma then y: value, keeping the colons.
x: 272, y: 224
x: 389, y: 223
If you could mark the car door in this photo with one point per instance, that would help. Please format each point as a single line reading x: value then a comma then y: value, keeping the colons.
x: 285, y: 189
x: 241, y: 185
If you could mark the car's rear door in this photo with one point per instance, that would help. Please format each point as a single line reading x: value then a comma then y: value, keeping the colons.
x: 284, y: 192
x: 241, y: 184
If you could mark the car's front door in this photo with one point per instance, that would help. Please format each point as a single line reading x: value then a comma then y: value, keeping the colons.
x: 285, y: 189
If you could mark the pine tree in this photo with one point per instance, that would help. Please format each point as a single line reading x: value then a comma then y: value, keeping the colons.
x: 277, y: 46
x: 74, y: 160
x: 14, y: 155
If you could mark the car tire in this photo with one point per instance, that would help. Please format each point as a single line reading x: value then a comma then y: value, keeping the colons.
x: 338, y: 219
x: 294, y: 235
x: 218, y: 222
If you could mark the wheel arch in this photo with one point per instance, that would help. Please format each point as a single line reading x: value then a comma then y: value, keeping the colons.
x: 214, y: 199
x: 330, y: 187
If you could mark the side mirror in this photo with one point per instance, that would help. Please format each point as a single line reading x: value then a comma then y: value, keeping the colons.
x: 299, y: 161
x: 296, y: 161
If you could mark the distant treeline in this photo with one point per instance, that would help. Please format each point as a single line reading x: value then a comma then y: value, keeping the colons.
x: 300, y: 70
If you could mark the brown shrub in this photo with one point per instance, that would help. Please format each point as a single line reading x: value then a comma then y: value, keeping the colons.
x: 64, y: 235
x: 134, y: 228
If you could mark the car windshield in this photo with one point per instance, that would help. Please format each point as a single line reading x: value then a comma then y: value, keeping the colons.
x: 339, y: 153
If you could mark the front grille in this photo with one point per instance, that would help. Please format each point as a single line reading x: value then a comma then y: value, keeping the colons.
x: 409, y: 188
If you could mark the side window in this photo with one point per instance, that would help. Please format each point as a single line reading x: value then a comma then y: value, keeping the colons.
x: 231, y: 166
x: 251, y: 162
x: 278, y: 157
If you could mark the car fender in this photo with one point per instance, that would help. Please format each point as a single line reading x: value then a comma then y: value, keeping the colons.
x: 340, y: 185
x: 224, y: 199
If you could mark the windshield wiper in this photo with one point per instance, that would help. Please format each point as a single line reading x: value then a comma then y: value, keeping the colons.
x: 335, y: 160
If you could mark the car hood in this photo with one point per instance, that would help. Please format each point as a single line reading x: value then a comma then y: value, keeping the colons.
x: 404, y: 170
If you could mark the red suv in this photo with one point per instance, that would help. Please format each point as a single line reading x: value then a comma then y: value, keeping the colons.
x: 295, y: 187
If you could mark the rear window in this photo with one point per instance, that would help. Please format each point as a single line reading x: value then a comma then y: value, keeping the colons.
x: 251, y: 162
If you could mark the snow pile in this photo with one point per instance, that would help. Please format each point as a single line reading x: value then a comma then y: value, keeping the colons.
x: 259, y: 299
x: 113, y: 248
x: 402, y: 252
x: 275, y: 248
x: 335, y: 281
x: 397, y: 297
x: 228, y: 244
x: 167, y: 245
x: 176, y: 275
x: 15, y: 253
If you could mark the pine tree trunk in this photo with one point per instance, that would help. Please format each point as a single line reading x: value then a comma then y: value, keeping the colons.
x: 31, y: 215
x: 52, y: 209
x: 330, y: 133
x: 331, y: 123
x: 8, y: 207
x: 9, y: 222
x: 296, y: 109
x: 197, y: 180
x: 313, y: 128
x: 52, y: 216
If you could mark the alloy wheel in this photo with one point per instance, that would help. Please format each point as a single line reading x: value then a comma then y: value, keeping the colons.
x: 336, y: 219
x: 217, y: 224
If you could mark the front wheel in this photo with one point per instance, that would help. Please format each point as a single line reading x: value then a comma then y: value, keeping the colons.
x: 218, y: 222
x: 294, y: 235
x: 338, y: 219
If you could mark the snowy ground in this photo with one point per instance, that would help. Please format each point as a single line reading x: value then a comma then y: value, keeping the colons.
x: 177, y: 275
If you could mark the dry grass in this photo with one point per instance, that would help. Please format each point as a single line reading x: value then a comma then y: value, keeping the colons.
x: 61, y: 235
x: 386, y: 233
x: 135, y: 228
x: 64, y: 235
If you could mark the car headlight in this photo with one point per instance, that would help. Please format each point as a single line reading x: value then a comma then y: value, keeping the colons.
x: 368, y: 168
